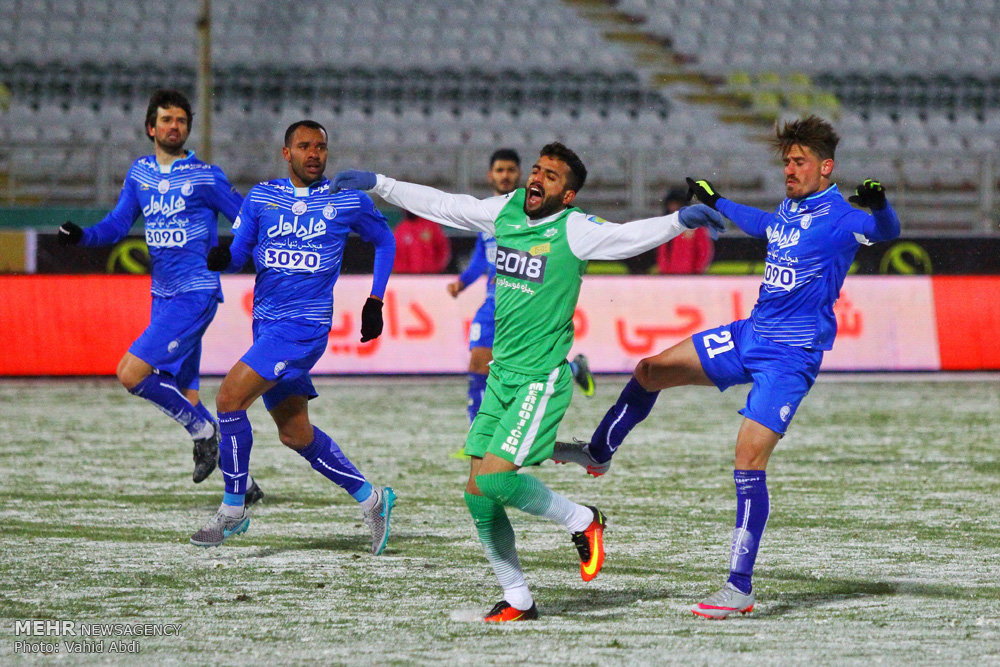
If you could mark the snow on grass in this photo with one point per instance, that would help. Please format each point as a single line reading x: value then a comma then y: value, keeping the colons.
x: 881, y: 547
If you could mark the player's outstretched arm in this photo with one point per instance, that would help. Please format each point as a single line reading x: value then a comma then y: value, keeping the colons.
x: 751, y: 220
x: 591, y: 237
x: 451, y: 210
x: 112, y: 229
x: 883, y: 224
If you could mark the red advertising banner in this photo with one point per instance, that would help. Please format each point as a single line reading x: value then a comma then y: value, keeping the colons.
x: 968, y: 321
x: 69, y: 325
x: 81, y: 325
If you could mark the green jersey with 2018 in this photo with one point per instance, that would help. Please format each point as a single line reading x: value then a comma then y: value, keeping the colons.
x: 537, y: 287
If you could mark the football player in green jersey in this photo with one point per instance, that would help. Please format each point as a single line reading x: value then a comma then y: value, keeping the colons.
x: 543, y: 245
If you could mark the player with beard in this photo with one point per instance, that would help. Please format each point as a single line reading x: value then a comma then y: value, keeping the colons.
x: 295, y: 229
x: 180, y: 197
x: 543, y: 244
x: 503, y: 176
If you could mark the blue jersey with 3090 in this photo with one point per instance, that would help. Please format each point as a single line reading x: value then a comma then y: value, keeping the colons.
x: 180, y: 204
x: 297, y: 238
x: 811, y: 243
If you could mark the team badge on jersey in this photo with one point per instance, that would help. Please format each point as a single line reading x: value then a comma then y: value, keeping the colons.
x: 329, y: 212
x: 549, y: 233
x: 805, y: 221
x: 187, y: 189
x: 299, y: 207
x: 278, y: 367
x: 163, y: 187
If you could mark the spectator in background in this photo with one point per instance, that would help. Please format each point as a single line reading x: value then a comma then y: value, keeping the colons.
x: 421, y: 246
x: 692, y: 251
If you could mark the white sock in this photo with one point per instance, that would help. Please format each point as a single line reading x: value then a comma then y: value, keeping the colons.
x: 581, y: 517
x: 231, y: 510
x: 518, y: 597
x: 206, y: 431
x: 371, y: 501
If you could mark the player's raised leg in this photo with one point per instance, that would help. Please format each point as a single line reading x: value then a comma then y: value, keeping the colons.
x: 160, y: 389
x: 674, y: 367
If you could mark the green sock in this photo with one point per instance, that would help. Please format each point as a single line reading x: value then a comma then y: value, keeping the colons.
x: 497, y: 538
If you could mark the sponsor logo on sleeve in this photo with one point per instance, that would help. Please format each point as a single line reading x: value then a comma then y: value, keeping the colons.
x: 541, y: 249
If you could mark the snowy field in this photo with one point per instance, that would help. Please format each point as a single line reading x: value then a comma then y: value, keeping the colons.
x: 883, y: 545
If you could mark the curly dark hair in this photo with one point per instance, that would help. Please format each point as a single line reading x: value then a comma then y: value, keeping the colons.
x: 578, y: 172
x: 811, y: 131
x: 163, y: 98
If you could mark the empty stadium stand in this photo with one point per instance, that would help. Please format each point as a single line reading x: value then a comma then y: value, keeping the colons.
x: 646, y: 90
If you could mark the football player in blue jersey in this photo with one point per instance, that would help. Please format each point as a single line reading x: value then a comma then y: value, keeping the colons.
x: 811, y: 241
x: 180, y: 197
x: 503, y: 177
x: 295, y: 229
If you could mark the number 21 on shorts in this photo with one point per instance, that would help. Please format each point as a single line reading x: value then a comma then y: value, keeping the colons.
x: 717, y: 343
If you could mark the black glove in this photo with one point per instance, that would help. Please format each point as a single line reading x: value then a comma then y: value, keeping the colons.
x: 703, y: 190
x: 70, y: 233
x: 371, y: 319
x: 218, y: 258
x: 869, y: 194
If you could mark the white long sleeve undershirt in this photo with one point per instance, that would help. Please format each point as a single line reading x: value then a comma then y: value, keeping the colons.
x: 588, y: 237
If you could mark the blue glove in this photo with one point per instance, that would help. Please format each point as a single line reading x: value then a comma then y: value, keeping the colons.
x: 353, y: 179
x: 701, y: 215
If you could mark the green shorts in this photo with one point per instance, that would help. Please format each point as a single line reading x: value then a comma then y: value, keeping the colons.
x: 520, y: 415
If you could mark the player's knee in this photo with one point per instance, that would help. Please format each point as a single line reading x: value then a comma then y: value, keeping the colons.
x: 224, y: 401
x: 749, y: 457
x: 128, y: 377
x: 643, y: 374
x: 293, y: 440
x: 497, y: 486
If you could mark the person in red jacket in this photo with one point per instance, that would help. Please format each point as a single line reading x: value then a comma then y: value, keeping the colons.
x: 421, y: 246
x: 690, y: 252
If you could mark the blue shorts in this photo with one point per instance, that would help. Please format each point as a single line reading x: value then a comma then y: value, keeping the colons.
x: 482, y: 327
x: 286, y: 351
x: 172, y: 341
x: 781, y: 374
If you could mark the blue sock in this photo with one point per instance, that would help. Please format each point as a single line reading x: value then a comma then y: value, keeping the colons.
x: 326, y: 458
x: 235, y: 442
x: 477, y: 387
x: 204, y: 412
x: 752, y: 508
x: 162, y: 391
x: 634, y: 404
